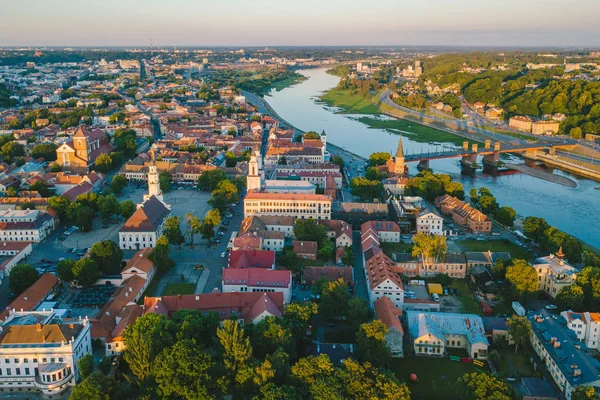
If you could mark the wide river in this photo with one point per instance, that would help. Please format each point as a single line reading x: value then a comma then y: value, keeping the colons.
x: 573, y: 210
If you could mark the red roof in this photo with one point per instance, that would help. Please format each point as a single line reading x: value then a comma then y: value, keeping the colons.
x: 245, y: 305
x: 33, y: 295
x: 257, y: 277
x: 388, y: 313
x: 252, y: 259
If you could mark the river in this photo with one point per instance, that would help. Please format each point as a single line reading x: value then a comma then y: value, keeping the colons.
x: 573, y: 210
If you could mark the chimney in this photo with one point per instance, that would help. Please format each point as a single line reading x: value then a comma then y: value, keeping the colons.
x: 71, y: 326
x: 38, y: 327
x: 557, y: 344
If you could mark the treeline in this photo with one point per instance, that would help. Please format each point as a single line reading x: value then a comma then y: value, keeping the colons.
x: 363, y: 86
x: 195, y: 355
x: 5, y: 100
x: 259, y: 82
x: 550, y: 239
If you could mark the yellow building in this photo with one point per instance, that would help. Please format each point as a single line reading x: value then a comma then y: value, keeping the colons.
x: 80, y: 153
x: 520, y: 123
x: 544, y: 127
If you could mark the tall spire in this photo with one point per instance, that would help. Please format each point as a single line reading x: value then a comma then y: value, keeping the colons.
x: 400, y: 150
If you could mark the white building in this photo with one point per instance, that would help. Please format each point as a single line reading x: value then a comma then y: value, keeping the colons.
x: 315, y: 206
x: 145, y: 226
x: 432, y: 332
x: 430, y: 223
x: 284, y: 186
x: 387, y: 313
x: 586, y: 326
x: 42, y: 355
x: 258, y: 280
x: 554, y: 273
x: 25, y: 225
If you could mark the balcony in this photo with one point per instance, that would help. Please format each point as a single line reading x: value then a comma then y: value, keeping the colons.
x: 48, y: 387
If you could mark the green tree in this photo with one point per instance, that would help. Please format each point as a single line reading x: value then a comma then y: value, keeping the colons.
x: 535, y: 227
x: 119, y: 182
x: 60, y: 204
x: 65, y: 269
x: 86, y: 366
x: 172, y: 231
x: 371, y: 345
x: 45, y: 150
x: 576, y: 133
x: 311, y: 135
x: 270, y: 334
x: 86, y: 272
x: 310, y: 230
x: 21, y: 277
x: 584, y: 393
x: 104, y: 163
x: 379, y: 158
x: 192, y: 324
x: 210, y: 179
x: 194, y: 226
x: 184, y: 371
x: 339, y: 161
x: 357, y: 314
x: 108, y: 205
x: 519, y: 329
x: 230, y: 159
x: 82, y: 215
x: 164, y: 180
x: 506, y: 216
x: 523, y: 279
x: 483, y: 386
x: 127, y: 208
x: 207, y: 228
x: 144, y: 340
x: 94, y: 387
x: 431, y: 248
x: 366, y: 189
x: 334, y: 300
x: 297, y: 317
x: 473, y: 195
x: 108, y: 256
x: 571, y: 298
x: 225, y: 194
x: 488, y: 204
x: 236, y: 351
x: 160, y: 255
x: 40, y: 187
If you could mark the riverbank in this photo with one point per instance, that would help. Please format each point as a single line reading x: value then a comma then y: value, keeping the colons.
x: 290, y: 81
x: 350, y: 101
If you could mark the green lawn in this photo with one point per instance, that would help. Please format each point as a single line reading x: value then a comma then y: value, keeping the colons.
x: 179, y: 288
x: 513, y: 364
x: 350, y: 101
x: 516, y: 252
x: 469, y: 303
x: 413, y: 131
x: 436, y: 376
x: 389, y: 248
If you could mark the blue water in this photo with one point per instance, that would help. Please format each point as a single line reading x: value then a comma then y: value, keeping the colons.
x: 573, y: 210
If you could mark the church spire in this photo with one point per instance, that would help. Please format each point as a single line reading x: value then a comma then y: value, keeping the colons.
x: 400, y: 150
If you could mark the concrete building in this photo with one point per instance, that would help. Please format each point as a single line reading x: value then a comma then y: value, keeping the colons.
x: 145, y: 226
x: 11, y: 253
x: 430, y: 223
x: 315, y: 206
x: 432, y: 333
x: 39, y: 352
x: 520, y: 123
x: 545, y: 127
x: 26, y: 225
x: 258, y: 280
x: 554, y: 273
x: 567, y: 359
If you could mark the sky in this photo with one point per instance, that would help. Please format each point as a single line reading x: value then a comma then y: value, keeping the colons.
x: 299, y: 22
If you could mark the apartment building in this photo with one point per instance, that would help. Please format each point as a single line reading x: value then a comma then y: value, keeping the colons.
x: 257, y: 280
x: 26, y: 225
x: 545, y: 127
x: 145, y: 226
x: 463, y: 214
x: 520, y: 123
x: 567, y: 359
x: 586, y: 326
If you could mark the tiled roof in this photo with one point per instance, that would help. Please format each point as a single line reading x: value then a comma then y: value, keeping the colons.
x: 332, y: 273
x: 248, y: 305
x: 256, y: 277
x: 439, y: 324
x: 254, y: 195
x: 304, y: 247
x: 387, y: 313
x: 140, y: 261
x: 148, y: 217
x: 33, y: 295
x: 34, y: 334
x: 251, y: 259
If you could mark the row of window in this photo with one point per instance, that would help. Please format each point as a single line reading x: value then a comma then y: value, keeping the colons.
x: 261, y: 283
x: 34, y: 360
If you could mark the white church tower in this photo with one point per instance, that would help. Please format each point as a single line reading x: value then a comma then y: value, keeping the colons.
x: 154, y: 183
x: 253, y: 178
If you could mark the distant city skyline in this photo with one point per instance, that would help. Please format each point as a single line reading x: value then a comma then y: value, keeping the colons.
x: 310, y: 22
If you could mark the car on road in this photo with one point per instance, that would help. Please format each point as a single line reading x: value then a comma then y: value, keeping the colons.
x: 223, y: 254
x: 551, y: 307
x: 446, y: 292
x: 199, y: 267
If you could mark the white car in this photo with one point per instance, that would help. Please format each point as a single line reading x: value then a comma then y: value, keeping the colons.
x: 223, y: 254
x: 551, y: 307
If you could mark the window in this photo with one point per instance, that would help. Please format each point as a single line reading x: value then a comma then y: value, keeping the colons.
x: 26, y: 371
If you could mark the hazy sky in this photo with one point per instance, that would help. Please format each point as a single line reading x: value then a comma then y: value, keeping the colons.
x: 300, y: 22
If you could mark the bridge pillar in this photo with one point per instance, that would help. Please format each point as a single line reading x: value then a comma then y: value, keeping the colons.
x: 423, y: 165
x: 469, y: 164
x: 466, y: 146
x: 532, y: 152
x: 491, y: 163
x: 488, y: 143
x: 496, y: 146
x: 474, y: 147
x: 552, y: 151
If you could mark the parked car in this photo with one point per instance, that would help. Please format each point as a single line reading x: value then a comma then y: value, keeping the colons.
x: 223, y: 254
x: 551, y: 307
x: 198, y: 267
x: 446, y: 292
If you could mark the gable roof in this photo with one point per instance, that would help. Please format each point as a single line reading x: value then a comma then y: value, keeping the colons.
x: 148, y: 217
x: 387, y: 313
x: 33, y: 295
x: 257, y: 277
x: 439, y: 324
x: 251, y: 259
x: 140, y: 261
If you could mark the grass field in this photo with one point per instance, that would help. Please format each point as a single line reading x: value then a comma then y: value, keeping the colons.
x: 411, y: 130
x: 389, y: 248
x: 436, y: 376
x: 516, y: 252
x: 516, y: 365
x: 469, y: 304
x: 179, y: 288
x: 350, y: 102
